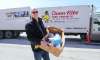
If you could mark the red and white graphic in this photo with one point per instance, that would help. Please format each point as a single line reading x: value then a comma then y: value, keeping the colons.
x: 63, y: 15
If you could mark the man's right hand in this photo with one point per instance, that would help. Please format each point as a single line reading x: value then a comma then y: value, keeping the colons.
x: 44, y: 43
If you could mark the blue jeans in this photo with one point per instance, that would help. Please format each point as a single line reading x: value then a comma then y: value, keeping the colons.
x: 39, y: 55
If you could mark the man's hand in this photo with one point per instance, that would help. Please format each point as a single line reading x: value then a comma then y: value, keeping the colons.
x: 45, y: 37
x: 44, y: 43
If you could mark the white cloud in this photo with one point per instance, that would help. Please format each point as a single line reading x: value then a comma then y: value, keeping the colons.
x: 13, y: 3
x: 44, y: 3
x: 23, y: 3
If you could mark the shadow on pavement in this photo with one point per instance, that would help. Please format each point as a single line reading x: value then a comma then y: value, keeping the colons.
x: 20, y: 40
x: 74, y: 43
x: 78, y: 43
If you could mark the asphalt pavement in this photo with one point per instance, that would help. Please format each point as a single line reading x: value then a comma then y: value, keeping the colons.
x: 75, y: 49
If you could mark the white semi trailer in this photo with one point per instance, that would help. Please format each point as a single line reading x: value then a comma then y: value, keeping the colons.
x: 73, y: 19
x: 12, y: 21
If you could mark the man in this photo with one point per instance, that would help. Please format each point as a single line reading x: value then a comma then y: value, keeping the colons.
x: 35, y: 31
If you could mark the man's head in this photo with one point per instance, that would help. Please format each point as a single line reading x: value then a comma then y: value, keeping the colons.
x: 35, y: 13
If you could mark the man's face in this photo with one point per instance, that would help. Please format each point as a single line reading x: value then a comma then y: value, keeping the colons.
x: 34, y: 13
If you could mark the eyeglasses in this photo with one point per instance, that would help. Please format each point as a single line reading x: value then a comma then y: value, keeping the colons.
x: 35, y: 12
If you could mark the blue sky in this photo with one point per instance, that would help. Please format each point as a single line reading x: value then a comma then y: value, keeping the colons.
x: 46, y: 3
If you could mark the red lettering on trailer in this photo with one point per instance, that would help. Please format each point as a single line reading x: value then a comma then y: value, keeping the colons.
x: 62, y: 15
x: 72, y: 13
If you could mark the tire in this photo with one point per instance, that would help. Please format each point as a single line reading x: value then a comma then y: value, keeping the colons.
x: 82, y: 36
x: 16, y: 34
x: 1, y: 34
x: 9, y: 34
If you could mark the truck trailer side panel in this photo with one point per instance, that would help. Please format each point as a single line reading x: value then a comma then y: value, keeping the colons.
x: 73, y: 19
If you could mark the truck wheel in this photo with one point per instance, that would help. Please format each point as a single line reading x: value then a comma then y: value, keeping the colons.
x: 82, y: 36
x: 8, y: 34
x: 1, y: 34
x: 16, y: 34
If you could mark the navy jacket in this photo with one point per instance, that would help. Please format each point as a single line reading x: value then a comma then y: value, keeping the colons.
x: 35, y: 31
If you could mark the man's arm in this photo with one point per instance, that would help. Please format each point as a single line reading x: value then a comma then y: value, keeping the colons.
x: 45, y: 29
x: 42, y: 24
x: 46, y: 34
x: 28, y: 29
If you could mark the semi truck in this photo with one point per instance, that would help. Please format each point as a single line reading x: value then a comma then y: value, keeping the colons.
x: 74, y: 20
x: 13, y: 20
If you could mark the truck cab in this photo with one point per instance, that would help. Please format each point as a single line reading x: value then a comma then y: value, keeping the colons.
x: 96, y: 27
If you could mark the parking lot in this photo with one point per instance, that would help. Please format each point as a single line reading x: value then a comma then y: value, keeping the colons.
x: 75, y: 49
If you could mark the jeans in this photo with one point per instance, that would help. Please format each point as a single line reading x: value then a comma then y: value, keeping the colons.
x: 39, y: 55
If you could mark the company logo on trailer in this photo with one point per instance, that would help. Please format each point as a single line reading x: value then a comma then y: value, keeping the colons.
x: 63, y: 15
x: 18, y: 14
